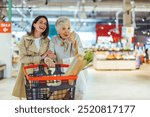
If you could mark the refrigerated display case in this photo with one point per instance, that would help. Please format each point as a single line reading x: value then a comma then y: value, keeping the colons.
x: 114, y: 60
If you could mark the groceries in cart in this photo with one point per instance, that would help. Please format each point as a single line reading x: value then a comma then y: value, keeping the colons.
x: 44, y: 83
x: 56, y: 72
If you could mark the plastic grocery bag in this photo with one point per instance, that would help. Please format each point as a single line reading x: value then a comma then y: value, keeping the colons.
x: 81, y: 85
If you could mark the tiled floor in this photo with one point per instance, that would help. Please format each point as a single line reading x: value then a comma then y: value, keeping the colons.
x: 104, y: 85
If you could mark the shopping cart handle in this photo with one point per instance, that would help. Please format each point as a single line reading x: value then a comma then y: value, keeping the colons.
x: 45, y: 65
x: 41, y: 78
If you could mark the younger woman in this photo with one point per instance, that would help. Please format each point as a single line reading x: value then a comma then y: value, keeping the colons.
x: 32, y: 50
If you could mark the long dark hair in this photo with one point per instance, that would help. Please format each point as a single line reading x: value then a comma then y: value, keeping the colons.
x: 46, y: 32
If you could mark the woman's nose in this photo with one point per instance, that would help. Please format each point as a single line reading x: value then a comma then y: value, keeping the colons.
x: 67, y: 31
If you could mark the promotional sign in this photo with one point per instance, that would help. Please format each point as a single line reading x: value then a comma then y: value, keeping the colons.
x: 6, y: 47
x: 5, y: 27
x: 105, y: 30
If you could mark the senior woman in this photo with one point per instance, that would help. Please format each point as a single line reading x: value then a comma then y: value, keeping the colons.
x: 65, y: 45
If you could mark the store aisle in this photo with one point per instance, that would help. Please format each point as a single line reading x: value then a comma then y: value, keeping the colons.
x: 117, y: 85
x: 103, y: 85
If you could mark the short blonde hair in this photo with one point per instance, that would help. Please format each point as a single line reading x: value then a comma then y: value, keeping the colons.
x: 60, y: 21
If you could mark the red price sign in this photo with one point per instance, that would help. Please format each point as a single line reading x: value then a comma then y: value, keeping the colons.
x: 5, y: 27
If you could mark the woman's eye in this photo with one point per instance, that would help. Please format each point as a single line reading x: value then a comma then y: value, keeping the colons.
x: 40, y: 22
x: 63, y: 28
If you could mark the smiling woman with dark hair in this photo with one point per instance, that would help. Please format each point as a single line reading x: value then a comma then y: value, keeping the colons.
x: 38, y: 19
x: 32, y: 50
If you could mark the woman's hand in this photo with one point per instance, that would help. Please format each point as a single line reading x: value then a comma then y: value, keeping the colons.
x: 43, y: 56
x: 51, y: 54
x: 72, y: 37
x: 49, y: 62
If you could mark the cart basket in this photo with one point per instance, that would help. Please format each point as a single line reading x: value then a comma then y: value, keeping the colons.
x: 42, y: 85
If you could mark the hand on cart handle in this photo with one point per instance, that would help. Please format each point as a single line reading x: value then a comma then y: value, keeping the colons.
x: 50, y: 54
x: 49, y: 62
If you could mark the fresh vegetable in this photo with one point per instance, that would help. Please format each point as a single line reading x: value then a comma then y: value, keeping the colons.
x: 89, y: 55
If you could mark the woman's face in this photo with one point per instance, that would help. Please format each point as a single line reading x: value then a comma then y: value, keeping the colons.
x: 64, y: 31
x: 40, y: 25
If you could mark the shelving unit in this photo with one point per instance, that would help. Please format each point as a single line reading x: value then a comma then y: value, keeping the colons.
x: 126, y: 60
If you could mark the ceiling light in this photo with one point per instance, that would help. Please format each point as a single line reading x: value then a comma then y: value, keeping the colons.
x: 109, y: 33
x: 144, y: 32
x: 138, y: 43
x: 102, y: 27
x: 143, y: 19
x: 84, y: 23
x: 109, y: 23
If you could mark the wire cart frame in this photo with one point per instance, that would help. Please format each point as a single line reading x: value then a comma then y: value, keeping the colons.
x: 42, y: 86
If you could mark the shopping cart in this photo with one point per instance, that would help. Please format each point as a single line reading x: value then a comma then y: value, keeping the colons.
x: 42, y: 84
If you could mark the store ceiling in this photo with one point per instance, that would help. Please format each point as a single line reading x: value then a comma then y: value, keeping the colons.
x: 89, y: 11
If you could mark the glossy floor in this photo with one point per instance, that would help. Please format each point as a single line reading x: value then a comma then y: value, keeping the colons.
x: 117, y: 85
x: 103, y: 85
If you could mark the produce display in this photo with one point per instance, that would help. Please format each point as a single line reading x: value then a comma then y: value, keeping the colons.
x: 110, y: 56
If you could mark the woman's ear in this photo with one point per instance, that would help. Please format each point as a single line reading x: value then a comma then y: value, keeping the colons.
x: 34, y: 25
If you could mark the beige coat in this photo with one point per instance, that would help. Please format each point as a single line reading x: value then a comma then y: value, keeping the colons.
x: 28, y: 54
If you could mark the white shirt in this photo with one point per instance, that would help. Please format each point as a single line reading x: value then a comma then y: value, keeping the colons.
x: 37, y: 43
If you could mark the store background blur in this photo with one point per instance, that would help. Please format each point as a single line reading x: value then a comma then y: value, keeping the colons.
x: 118, y: 32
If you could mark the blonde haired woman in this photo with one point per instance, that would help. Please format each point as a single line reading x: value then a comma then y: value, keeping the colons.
x: 66, y: 44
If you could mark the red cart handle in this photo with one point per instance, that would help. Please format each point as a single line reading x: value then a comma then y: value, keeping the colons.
x: 43, y: 78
